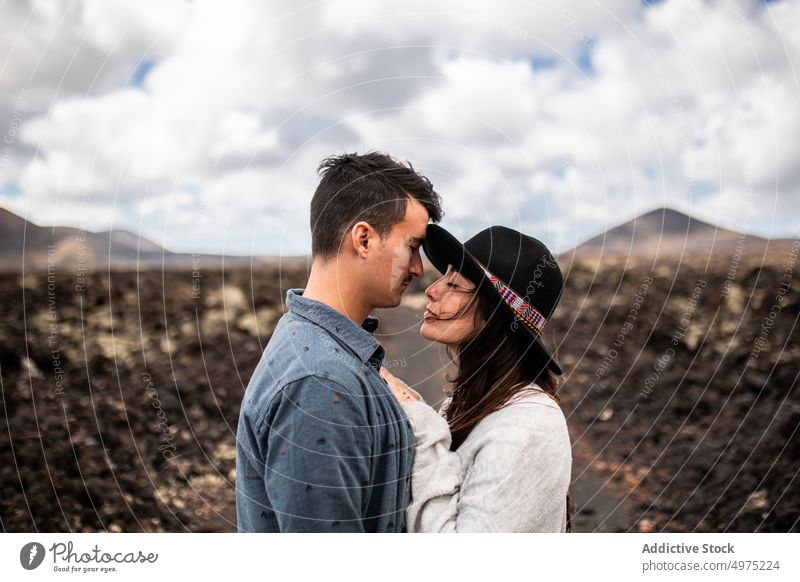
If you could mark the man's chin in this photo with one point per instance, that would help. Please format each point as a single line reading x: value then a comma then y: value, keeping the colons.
x: 394, y: 299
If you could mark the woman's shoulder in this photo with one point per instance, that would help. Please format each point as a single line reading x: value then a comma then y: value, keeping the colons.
x: 531, y: 412
x: 530, y: 401
x: 533, y: 395
x: 533, y: 402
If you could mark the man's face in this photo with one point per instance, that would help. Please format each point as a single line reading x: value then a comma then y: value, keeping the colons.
x: 399, y: 260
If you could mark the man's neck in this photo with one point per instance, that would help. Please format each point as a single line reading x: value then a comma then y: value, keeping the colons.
x: 328, y: 283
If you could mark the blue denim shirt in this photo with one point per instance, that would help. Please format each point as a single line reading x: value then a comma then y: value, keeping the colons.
x: 322, y: 443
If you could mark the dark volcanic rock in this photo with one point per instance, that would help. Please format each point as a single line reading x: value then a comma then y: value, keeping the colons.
x: 120, y: 402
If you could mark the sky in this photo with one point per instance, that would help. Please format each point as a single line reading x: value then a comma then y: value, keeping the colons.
x: 200, y: 124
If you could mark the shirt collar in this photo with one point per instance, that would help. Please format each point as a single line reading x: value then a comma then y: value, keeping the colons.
x: 358, y: 339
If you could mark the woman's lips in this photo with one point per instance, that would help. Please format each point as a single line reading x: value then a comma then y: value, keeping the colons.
x: 428, y: 315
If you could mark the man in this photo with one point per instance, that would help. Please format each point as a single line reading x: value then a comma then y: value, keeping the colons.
x: 322, y: 443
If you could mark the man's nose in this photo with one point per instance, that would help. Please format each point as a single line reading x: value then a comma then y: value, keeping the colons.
x: 416, y: 268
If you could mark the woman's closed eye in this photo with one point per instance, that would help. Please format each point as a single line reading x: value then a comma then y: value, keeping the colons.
x: 456, y: 287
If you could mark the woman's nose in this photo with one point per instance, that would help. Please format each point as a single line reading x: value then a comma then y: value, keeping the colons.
x: 430, y: 292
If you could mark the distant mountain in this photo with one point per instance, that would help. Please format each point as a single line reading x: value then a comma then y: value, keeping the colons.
x: 660, y: 233
x: 22, y: 240
x: 665, y: 232
x: 72, y: 248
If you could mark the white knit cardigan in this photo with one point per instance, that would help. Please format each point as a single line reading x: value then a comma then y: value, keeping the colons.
x: 511, y: 474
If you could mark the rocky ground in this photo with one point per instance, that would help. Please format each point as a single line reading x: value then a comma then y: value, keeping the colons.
x: 120, y: 399
x: 683, y: 392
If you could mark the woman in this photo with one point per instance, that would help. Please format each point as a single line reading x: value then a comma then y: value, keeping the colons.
x: 498, y: 458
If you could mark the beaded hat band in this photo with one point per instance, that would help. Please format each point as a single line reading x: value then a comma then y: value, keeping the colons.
x: 526, y: 312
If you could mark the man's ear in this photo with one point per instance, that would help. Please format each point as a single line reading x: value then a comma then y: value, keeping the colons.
x: 362, y: 237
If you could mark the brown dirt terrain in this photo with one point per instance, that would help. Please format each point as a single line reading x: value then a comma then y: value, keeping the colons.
x: 120, y: 401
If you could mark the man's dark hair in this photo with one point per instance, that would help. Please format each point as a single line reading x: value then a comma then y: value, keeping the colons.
x: 373, y: 187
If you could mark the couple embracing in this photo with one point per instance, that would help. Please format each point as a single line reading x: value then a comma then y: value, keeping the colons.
x: 330, y: 441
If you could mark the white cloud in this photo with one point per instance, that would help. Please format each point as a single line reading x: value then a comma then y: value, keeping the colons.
x: 686, y: 104
x: 54, y: 49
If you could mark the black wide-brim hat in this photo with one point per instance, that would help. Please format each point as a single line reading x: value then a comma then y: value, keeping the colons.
x: 518, y: 272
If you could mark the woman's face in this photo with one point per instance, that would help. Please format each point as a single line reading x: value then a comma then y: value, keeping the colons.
x: 450, y: 315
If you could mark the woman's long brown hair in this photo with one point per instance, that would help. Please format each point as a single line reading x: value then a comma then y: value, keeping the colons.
x: 494, y: 365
